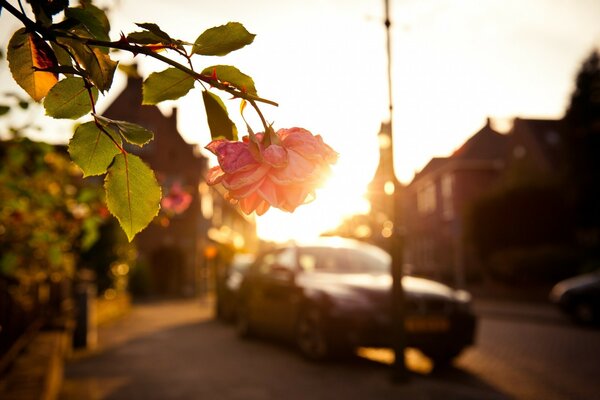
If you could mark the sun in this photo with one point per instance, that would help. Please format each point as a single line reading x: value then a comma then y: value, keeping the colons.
x: 343, y: 195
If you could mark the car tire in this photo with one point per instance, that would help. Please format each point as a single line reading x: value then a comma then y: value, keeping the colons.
x: 311, y: 337
x: 243, y: 326
x: 442, y: 358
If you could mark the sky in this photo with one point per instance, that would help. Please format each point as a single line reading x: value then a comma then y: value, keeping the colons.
x: 455, y: 63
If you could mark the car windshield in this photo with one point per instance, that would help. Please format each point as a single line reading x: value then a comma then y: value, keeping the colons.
x: 344, y: 260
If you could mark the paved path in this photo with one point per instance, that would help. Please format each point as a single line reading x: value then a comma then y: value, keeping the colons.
x: 174, y: 350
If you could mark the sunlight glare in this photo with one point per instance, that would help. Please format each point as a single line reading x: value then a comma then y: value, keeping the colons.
x: 342, y: 196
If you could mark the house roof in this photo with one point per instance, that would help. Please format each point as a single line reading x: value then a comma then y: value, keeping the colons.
x: 545, y: 134
x: 487, y: 144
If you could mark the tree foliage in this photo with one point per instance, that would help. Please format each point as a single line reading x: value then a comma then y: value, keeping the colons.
x: 47, y: 214
x: 583, y: 148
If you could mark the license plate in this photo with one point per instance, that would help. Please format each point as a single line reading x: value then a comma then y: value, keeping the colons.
x: 426, y: 324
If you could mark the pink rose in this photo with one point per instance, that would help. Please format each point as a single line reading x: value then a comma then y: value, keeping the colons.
x: 282, y: 170
x: 177, y: 200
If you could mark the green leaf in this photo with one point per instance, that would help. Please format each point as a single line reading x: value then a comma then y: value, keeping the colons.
x: 27, y: 51
x: 222, y: 40
x: 218, y: 119
x: 61, y: 54
x: 154, y: 35
x: 92, y: 150
x: 69, y: 99
x: 99, y: 14
x: 89, y: 18
x: 132, y: 193
x: 169, y: 84
x: 133, y: 133
x: 155, y: 29
x: 99, y: 66
x: 144, y: 37
x: 233, y: 76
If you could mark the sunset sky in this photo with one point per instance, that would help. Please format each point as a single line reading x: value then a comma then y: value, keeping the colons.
x: 455, y: 62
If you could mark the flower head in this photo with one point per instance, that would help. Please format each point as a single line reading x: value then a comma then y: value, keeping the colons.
x: 177, y: 200
x: 281, y: 169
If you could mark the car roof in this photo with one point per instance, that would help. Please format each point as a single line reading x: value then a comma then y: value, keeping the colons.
x: 336, y: 242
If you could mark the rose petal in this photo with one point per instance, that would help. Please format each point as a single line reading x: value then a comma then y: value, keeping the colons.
x: 275, y: 155
x: 297, y: 170
x: 262, y: 208
x: 268, y: 191
x: 292, y: 196
x: 250, y: 177
x: 249, y: 204
x: 232, y: 156
x: 214, y: 175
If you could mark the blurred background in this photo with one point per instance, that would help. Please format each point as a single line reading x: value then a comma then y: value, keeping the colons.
x: 488, y: 175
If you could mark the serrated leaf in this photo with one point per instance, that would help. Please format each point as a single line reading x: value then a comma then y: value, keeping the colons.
x: 99, y: 14
x: 233, y: 76
x: 61, y: 54
x: 132, y: 193
x: 89, y: 18
x: 133, y: 133
x: 69, y: 98
x: 155, y: 29
x: 144, y: 37
x: 27, y: 51
x: 169, y: 84
x: 92, y: 150
x: 101, y: 69
x: 218, y: 119
x: 222, y: 40
x: 99, y: 66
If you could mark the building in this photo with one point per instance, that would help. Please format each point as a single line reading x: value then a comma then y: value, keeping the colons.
x: 440, y: 195
x: 181, y: 249
x: 437, y: 198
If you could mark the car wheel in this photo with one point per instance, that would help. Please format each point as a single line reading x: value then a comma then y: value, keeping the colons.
x: 243, y: 326
x: 311, y: 337
x: 442, y: 358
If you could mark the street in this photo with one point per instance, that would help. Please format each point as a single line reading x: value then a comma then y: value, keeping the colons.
x: 175, y: 350
x: 544, y: 358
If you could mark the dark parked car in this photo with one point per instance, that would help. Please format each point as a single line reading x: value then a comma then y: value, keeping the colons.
x: 334, y: 295
x: 579, y: 297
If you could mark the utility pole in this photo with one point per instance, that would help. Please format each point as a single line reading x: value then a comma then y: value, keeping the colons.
x: 399, y: 372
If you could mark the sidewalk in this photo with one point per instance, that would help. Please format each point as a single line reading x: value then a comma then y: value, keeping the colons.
x: 175, y: 350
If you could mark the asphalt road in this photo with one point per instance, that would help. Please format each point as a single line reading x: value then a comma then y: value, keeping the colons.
x: 175, y: 350
x: 535, y: 356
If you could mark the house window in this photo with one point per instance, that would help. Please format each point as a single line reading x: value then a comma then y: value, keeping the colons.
x: 447, y: 184
x: 426, y: 198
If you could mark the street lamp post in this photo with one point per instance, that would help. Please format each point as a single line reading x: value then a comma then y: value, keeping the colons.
x: 399, y: 372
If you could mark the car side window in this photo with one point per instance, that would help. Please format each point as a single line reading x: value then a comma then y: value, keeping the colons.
x: 361, y: 262
x: 276, y: 262
x: 321, y: 260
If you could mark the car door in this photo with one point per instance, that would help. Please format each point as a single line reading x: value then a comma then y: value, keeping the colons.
x: 275, y: 291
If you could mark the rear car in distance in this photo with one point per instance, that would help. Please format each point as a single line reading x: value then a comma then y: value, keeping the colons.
x: 579, y: 297
x: 333, y: 295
